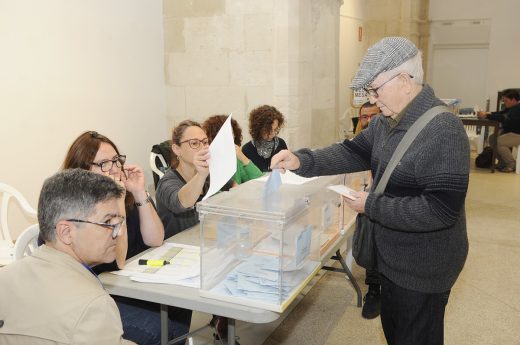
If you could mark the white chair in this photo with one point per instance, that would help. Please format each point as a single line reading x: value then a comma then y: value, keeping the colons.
x: 153, y: 165
x: 6, y: 240
x: 27, y: 242
x: 476, y: 140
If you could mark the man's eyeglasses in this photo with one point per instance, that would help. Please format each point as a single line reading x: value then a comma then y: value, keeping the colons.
x: 195, y: 143
x: 115, y: 227
x: 367, y: 116
x: 106, y: 165
x: 372, y: 92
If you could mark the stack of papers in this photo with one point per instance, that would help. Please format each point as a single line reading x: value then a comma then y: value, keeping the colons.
x: 259, y: 278
x: 184, y: 267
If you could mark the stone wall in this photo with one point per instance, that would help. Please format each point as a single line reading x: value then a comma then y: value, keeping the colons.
x: 225, y: 56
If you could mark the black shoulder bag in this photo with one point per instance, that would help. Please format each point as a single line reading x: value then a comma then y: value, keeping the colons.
x: 363, y: 243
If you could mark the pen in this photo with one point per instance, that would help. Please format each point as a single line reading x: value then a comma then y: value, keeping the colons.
x: 155, y: 263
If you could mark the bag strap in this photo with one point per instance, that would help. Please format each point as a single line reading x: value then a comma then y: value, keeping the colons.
x: 405, y: 143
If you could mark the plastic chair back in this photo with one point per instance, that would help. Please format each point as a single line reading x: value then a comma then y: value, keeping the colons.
x: 9, y: 192
x: 27, y: 242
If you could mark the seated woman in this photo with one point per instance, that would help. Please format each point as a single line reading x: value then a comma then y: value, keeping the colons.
x: 141, y: 320
x: 186, y: 181
x: 265, y: 123
x: 246, y: 169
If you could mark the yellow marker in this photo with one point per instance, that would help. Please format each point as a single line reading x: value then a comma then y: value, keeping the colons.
x: 155, y: 263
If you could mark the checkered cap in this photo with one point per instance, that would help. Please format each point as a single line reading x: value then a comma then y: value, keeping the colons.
x: 383, y: 56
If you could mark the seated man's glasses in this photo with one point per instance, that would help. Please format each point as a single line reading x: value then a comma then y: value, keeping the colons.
x: 372, y: 92
x: 114, y: 224
x: 106, y: 165
x: 195, y: 143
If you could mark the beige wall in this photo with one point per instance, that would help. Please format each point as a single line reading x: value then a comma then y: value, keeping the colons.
x: 377, y: 19
x: 501, y: 17
x: 71, y: 65
x: 229, y: 56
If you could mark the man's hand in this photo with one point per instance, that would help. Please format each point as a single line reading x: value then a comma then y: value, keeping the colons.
x: 285, y: 160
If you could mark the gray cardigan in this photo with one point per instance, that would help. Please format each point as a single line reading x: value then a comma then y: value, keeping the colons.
x: 423, y: 243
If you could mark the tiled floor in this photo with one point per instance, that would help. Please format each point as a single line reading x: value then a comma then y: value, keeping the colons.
x: 484, y: 307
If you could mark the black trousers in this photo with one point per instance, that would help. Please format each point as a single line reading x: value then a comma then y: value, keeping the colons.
x: 411, y: 317
x: 372, y: 277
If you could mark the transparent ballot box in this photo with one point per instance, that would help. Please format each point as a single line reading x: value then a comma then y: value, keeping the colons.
x: 260, y: 249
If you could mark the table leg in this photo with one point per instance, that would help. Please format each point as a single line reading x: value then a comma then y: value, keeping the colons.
x: 346, y: 270
x: 231, y: 331
x: 164, y: 324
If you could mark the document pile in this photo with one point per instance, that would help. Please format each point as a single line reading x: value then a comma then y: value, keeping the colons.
x: 183, y: 268
x: 260, y: 278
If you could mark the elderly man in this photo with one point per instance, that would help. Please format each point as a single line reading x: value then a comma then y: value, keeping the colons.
x: 421, y: 240
x: 53, y: 297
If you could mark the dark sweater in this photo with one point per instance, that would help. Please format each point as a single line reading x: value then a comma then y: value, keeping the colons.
x: 509, y: 118
x: 423, y: 243
x: 174, y: 216
x: 262, y: 163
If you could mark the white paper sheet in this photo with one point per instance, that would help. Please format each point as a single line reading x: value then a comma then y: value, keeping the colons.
x: 289, y: 178
x: 184, y: 267
x: 223, y: 162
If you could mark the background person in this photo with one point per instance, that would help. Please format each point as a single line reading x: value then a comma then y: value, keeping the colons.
x: 53, y: 296
x: 97, y: 153
x: 509, y: 136
x: 372, y: 300
x: 421, y: 240
x: 246, y: 169
x: 265, y: 123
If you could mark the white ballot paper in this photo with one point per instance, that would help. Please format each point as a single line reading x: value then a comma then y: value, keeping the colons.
x: 223, y: 161
x: 289, y: 178
x: 183, y: 268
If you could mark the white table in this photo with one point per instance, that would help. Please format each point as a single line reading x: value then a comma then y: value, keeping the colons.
x: 188, y: 298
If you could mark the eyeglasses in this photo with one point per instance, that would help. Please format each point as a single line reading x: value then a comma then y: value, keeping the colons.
x: 195, y: 143
x: 367, y: 116
x: 106, y: 165
x: 275, y: 131
x: 372, y: 92
x: 115, y: 227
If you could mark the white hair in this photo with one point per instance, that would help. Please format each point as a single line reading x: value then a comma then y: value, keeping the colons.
x: 412, y: 67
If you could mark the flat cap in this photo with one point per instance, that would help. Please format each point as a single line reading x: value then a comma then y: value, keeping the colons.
x: 383, y: 56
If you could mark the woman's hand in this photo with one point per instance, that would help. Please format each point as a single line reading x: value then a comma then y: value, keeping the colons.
x: 241, y: 156
x: 133, y: 178
x: 357, y: 205
x: 201, y: 161
x: 285, y: 160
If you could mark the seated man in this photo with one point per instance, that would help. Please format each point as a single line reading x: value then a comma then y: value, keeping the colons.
x: 53, y: 297
x: 509, y: 137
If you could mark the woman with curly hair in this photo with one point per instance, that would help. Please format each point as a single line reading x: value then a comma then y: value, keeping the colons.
x: 246, y: 169
x: 265, y: 123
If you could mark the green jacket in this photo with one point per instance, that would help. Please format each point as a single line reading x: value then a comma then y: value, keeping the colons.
x: 247, y: 172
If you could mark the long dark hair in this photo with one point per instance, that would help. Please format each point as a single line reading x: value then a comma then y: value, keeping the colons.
x: 82, y: 152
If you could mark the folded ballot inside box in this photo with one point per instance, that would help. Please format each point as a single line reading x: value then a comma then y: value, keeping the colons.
x: 260, y: 247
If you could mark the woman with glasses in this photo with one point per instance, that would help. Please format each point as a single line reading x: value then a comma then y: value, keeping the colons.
x: 144, y: 229
x: 186, y: 181
x: 265, y: 123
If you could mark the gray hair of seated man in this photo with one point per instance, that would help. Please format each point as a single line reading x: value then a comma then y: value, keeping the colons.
x: 72, y: 193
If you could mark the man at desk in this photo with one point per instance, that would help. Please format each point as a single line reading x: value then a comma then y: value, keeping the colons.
x: 53, y: 296
x: 509, y: 137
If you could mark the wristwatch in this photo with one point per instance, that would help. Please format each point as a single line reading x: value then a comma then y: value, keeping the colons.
x: 146, y: 201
